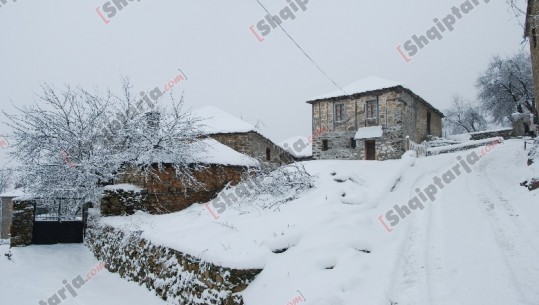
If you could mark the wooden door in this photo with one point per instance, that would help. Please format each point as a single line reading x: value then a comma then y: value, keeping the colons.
x: 370, y: 150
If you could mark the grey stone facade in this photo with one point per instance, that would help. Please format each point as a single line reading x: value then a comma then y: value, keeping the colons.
x: 254, y: 145
x: 6, y: 208
x: 399, y: 111
x: 23, y: 223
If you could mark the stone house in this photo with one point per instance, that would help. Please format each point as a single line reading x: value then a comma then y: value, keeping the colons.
x: 371, y: 121
x: 165, y: 193
x: 241, y: 136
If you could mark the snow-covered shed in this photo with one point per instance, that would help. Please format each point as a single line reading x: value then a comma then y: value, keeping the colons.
x: 165, y: 192
x: 240, y: 136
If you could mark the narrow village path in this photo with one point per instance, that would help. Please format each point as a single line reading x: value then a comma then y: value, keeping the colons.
x: 476, y: 244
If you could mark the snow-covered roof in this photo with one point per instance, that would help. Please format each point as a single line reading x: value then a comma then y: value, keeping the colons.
x: 367, y: 84
x: 13, y: 194
x: 208, y: 151
x: 369, y: 132
x: 299, y: 147
x: 215, y: 120
x: 217, y: 153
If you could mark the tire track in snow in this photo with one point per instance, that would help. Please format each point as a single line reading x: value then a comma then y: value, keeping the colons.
x: 420, y: 270
x: 520, y: 254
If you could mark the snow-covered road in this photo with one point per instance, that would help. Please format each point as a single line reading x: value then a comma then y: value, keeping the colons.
x: 478, y: 243
x: 36, y: 273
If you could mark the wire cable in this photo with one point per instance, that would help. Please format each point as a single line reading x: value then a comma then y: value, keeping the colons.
x: 302, y: 50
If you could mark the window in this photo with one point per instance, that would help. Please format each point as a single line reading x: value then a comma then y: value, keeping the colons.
x: 353, y: 143
x: 325, y: 145
x: 339, y: 112
x: 268, y: 154
x: 372, y: 109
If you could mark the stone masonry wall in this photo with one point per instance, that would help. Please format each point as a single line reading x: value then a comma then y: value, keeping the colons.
x: 506, y: 134
x: 340, y: 134
x: 22, y: 223
x: 254, y: 145
x: 416, y: 119
x: 121, y: 202
x: 167, y: 194
x: 176, y: 277
x: 6, y: 204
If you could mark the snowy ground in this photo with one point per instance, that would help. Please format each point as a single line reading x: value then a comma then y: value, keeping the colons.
x: 36, y: 274
x: 475, y: 244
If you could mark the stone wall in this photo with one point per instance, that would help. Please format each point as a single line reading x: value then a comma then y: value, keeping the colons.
x: 6, y: 206
x: 22, y: 223
x: 400, y: 113
x: 120, y: 202
x: 166, y: 193
x: 174, y: 276
x: 254, y: 145
x: 506, y: 134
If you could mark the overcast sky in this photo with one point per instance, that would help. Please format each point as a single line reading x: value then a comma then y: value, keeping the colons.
x: 67, y: 42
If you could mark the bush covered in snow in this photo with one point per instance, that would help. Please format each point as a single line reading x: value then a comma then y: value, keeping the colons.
x: 266, y: 188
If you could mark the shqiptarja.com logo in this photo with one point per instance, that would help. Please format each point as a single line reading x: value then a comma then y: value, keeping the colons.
x: 3, y: 141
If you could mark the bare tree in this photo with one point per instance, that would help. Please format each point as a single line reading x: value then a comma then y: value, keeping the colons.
x: 464, y: 117
x: 6, y: 179
x: 507, y: 87
x: 66, y: 154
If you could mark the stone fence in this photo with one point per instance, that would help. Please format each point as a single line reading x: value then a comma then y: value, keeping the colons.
x: 176, y: 277
x: 22, y: 223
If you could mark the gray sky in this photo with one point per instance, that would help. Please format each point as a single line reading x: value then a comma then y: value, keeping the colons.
x: 66, y: 42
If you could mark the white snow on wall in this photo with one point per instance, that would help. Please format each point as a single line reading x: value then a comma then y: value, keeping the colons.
x: 369, y: 133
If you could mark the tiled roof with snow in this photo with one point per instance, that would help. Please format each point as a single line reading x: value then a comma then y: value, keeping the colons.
x: 368, y: 84
x: 369, y: 133
x: 216, y: 121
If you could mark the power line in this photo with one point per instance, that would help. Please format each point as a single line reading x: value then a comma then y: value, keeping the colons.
x: 302, y: 50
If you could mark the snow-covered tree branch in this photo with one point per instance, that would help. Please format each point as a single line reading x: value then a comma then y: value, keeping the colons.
x: 507, y: 87
x: 464, y: 117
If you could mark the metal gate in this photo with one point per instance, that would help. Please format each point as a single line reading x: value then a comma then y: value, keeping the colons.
x: 53, y: 228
